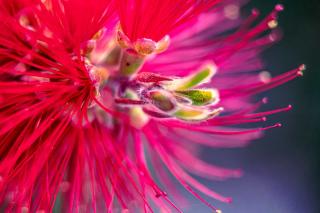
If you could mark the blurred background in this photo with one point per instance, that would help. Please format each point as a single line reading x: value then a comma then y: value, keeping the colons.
x: 282, y: 170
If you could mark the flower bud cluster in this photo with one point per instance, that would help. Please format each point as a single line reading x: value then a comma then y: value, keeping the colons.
x: 172, y: 97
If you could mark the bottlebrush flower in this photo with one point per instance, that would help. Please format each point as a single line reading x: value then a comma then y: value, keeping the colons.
x: 100, y: 117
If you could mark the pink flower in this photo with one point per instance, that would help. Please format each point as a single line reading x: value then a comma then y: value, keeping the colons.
x: 104, y: 103
x: 157, y: 18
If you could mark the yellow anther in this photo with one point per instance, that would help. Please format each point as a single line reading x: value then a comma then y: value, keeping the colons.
x: 163, y: 44
x: 122, y: 39
x: 272, y: 24
x: 145, y: 46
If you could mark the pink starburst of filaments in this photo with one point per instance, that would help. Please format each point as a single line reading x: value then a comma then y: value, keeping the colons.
x: 103, y: 104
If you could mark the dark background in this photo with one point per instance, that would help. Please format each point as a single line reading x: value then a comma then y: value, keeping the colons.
x: 282, y: 170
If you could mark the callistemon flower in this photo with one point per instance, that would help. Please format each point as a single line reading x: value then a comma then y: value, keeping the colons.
x: 104, y: 105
